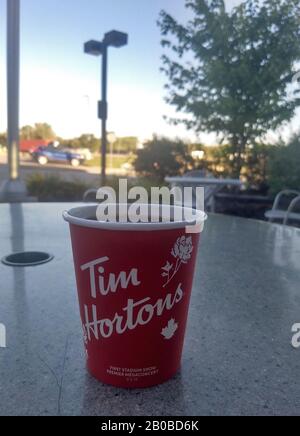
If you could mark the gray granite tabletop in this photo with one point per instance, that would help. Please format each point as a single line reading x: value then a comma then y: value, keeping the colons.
x: 238, y: 358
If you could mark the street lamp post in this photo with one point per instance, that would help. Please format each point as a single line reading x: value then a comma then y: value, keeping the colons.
x: 97, y: 48
x: 13, y: 189
x: 103, y: 116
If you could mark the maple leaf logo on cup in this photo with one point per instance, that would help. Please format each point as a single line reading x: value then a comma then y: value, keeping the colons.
x: 182, y: 251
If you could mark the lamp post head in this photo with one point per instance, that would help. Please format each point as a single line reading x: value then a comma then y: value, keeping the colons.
x: 93, y: 47
x: 115, y: 39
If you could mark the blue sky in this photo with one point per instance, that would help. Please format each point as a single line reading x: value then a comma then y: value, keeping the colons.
x: 61, y: 85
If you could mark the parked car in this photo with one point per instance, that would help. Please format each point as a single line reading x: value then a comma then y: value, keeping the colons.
x: 50, y: 153
x: 88, y: 155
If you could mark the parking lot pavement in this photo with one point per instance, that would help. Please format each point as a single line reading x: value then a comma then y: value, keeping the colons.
x: 88, y: 175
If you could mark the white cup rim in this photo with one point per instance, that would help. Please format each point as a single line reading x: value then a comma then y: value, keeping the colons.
x: 79, y: 216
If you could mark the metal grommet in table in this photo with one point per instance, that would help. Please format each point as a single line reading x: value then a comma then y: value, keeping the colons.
x: 27, y: 258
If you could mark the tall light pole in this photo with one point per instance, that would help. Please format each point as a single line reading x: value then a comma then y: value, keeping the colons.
x: 97, y: 48
x: 13, y: 189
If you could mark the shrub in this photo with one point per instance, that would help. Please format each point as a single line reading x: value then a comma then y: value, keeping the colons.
x: 284, y: 167
x: 53, y: 188
x: 255, y: 167
x: 218, y: 160
x: 163, y: 157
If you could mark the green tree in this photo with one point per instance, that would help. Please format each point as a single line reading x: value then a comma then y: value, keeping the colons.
x: 27, y: 132
x: 283, y: 166
x: 163, y: 157
x: 127, y: 144
x: 90, y: 142
x: 230, y: 71
x: 41, y: 131
x: 256, y: 165
x: 84, y: 141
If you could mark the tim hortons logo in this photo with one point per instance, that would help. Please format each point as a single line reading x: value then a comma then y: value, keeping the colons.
x: 134, y: 314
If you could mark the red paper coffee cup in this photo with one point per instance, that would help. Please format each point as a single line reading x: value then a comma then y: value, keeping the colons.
x: 134, y: 284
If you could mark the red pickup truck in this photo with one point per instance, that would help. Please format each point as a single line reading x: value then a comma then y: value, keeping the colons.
x: 30, y: 145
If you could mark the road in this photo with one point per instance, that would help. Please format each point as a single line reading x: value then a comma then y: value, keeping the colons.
x: 88, y: 175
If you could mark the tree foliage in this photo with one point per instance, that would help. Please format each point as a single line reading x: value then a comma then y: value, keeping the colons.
x: 163, y: 157
x: 230, y: 71
x: 283, y: 166
x: 218, y: 161
x: 84, y: 141
x: 126, y: 144
x: 42, y: 131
